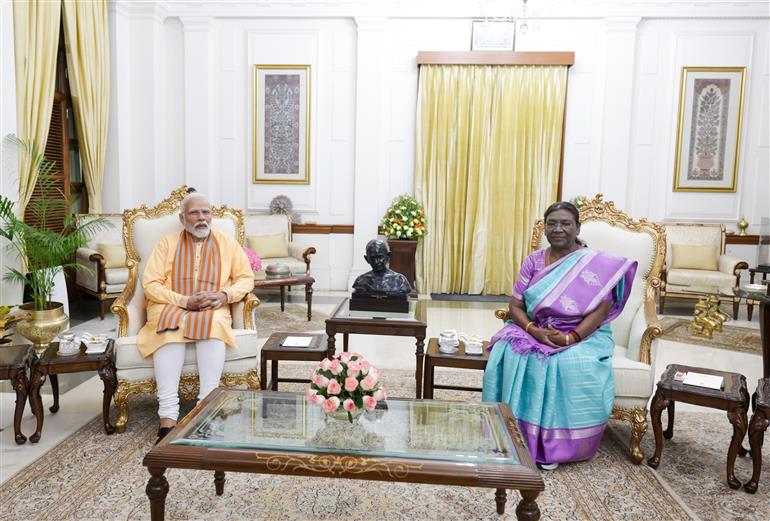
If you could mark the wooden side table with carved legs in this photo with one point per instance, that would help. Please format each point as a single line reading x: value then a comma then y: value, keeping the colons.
x: 757, y: 427
x: 50, y: 363
x: 734, y: 399
x: 14, y: 363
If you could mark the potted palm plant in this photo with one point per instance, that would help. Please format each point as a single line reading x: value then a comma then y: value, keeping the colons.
x: 42, y: 251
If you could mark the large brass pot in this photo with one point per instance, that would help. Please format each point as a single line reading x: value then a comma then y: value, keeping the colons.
x: 40, y: 327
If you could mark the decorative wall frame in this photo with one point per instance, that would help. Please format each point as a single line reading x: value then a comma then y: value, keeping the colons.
x: 493, y: 35
x: 281, y: 132
x: 709, y: 130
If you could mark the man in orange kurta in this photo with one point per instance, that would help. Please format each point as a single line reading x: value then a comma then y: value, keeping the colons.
x: 189, y: 279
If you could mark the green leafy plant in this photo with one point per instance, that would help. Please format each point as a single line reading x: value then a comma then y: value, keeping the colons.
x: 579, y: 201
x: 43, y: 251
x: 405, y: 219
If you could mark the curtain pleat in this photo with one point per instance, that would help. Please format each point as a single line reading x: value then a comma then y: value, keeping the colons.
x: 486, y: 167
x: 35, y: 42
x: 88, y: 59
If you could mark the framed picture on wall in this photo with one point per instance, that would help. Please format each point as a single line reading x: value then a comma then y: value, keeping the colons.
x: 281, y: 133
x: 492, y: 35
x: 709, y: 131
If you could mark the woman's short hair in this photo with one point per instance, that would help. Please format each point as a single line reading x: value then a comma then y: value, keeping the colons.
x: 563, y: 205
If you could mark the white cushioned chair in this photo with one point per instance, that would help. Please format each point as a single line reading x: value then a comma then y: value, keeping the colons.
x: 605, y: 228
x: 265, y: 229
x: 142, y: 228
x: 695, y: 256
x: 100, y: 281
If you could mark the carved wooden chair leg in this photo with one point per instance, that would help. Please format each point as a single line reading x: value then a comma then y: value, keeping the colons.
x: 121, y: 404
x: 252, y: 380
x: 638, y: 429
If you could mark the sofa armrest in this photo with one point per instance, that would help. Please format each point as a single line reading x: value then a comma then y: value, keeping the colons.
x: 89, y: 255
x: 243, y: 312
x: 653, y: 331
x: 300, y: 252
x: 502, y: 314
x: 732, y: 265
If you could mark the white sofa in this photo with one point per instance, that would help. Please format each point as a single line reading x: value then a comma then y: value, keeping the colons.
x: 606, y: 228
x: 98, y: 280
x: 677, y: 281
x: 142, y: 228
x: 298, y: 257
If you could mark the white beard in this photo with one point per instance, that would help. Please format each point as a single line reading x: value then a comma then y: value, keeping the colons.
x: 198, y: 230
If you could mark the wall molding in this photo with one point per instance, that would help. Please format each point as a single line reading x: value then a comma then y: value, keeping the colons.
x: 321, y: 229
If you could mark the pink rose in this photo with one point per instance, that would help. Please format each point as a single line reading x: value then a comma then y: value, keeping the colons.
x: 354, y: 368
x: 344, y: 357
x: 370, y: 402
x: 374, y: 373
x: 331, y: 404
x: 325, y: 363
x: 380, y: 394
x: 309, y: 393
x: 351, y: 384
x: 359, y: 356
x: 334, y: 387
x: 335, y: 367
x: 368, y: 383
x: 349, y: 405
x: 365, y: 366
x: 317, y: 399
x: 320, y: 380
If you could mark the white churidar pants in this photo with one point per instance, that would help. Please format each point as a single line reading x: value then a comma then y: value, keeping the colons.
x: 168, y: 361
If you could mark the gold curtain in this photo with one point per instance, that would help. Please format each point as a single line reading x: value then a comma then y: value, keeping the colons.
x: 35, y: 43
x: 88, y: 60
x: 486, y: 167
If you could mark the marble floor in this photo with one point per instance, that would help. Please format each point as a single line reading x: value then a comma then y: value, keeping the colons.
x: 81, y: 393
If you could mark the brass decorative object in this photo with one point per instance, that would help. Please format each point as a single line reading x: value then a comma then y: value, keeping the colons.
x: 743, y: 224
x: 707, y: 317
x: 40, y: 327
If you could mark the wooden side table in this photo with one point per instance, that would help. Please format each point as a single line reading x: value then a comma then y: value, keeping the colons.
x: 734, y: 399
x: 757, y: 427
x: 14, y: 363
x: 50, y: 363
x: 273, y: 351
x: 282, y: 284
x: 435, y: 358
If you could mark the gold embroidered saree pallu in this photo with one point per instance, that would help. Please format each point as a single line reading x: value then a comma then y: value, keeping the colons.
x: 197, y: 324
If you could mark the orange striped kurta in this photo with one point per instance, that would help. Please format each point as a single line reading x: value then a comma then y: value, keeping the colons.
x: 236, y: 280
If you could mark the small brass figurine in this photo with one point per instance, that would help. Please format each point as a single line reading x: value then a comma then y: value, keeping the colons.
x: 707, y: 317
x: 743, y: 224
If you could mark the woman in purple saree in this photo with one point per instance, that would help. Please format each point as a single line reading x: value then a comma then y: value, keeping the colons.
x: 552, y: 362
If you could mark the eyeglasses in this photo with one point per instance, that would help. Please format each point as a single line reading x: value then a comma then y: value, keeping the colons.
x: 564, y: 225
x: 197, y: 213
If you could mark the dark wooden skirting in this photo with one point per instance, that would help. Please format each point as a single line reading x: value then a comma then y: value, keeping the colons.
x: 322, y: 229
x: 494, y: 58
x: 742, y: 239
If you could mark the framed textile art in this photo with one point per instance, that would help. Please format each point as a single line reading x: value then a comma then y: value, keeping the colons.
x: 709, y: 130
x: 281, y: 133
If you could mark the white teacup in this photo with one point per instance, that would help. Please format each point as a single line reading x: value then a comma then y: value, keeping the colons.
x: 448, y: 334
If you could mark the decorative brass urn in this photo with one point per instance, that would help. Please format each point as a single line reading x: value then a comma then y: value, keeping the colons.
x: 40, y: 327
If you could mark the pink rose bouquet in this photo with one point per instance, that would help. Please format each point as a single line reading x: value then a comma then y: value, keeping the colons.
x: 346, y: 382
x: 254, y: 260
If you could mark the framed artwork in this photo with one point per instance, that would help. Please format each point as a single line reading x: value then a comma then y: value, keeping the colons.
x: 492, y: 35
x: 709, y: 132
x: 281, y: 148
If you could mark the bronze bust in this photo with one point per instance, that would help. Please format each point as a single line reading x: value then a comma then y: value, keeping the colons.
x: 381, y: 280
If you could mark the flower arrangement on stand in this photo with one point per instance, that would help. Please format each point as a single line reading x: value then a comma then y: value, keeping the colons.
x: 405, y: 219
x: 579, y: 201
x: 254, y: 261
x: 346, y: 383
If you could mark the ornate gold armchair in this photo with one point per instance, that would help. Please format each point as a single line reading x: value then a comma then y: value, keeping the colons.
x: 695, y: 256
x: 142, y: 228
x: 606, y: 228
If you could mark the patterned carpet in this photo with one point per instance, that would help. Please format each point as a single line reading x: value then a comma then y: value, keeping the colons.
x: 735, y: 338
x: 271, y: 319
x: 93, y: 476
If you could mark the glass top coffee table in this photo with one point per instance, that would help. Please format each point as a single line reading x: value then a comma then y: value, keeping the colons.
x: 413, y: 323
x: 443, y: 443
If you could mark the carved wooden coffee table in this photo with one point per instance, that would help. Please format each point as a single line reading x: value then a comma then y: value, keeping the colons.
x: 282, y: 283
x: 14, y: 364
x: 734, y: 399
x: 263, y: 432
x: 51, y: 364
